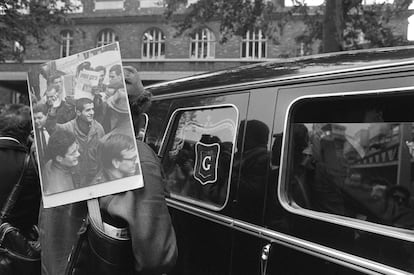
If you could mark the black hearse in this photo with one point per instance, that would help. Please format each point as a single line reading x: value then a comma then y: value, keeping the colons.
x: 295, y: 167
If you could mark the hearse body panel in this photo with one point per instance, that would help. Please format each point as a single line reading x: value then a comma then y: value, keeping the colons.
x: 229, y: 144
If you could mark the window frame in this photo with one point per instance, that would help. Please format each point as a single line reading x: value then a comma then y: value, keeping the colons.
x: 250, y: 38
x: 105, y: 37
x: 158, y: 42
x: 169, y: 131
x: 209, y: 50
x: 66, y: 43
x: 282, y: 189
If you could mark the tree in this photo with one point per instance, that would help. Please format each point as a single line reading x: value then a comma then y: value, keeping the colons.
x: 27, y: 22
x: 335, y: 25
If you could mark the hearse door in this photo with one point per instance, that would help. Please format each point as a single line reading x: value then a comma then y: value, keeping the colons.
x: 254, y: 169
x: 343, y: 203
x: 198, y: 153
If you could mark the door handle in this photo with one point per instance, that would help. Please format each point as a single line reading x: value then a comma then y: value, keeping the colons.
x: 264, y: 258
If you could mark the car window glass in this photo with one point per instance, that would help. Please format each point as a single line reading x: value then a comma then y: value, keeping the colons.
x: 198, y: 156
x: 354, y: 158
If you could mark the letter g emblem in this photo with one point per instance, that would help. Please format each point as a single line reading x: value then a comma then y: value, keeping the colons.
x: 206, y: 163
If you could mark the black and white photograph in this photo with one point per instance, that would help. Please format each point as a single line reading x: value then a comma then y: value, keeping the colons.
x: 83, y: 128
x: 207, y: 137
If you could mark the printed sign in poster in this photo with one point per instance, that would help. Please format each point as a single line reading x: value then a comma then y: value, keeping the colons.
x: 84, y: 136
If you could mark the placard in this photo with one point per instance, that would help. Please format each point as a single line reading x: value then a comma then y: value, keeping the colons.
x: 84, y: 136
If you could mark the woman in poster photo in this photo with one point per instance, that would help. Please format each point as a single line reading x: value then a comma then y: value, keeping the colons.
x: 59, y: 170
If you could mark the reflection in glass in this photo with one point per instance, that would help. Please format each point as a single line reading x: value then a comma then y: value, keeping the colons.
x: 199, y: 154
x: 360, y: 170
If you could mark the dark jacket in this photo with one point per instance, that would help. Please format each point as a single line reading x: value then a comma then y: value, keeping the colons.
x: 145, y: 211
x: 26, y: 211
x: 62, y: 114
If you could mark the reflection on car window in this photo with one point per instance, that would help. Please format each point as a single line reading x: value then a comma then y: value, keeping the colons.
x: 360, y: 170
x: 199, y: 153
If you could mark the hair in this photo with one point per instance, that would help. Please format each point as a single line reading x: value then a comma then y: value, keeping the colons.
x: 15, y: 121
x: 100, y: 68
x: 117, y: 69
x: 59, y: 143
x: 84, y: 65
x: 111, y: 147
x: 81, y: 102
x: 40, y: 108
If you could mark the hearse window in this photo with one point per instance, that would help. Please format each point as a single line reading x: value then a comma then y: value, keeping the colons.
x: 352, y: 156
x: 199, y: 152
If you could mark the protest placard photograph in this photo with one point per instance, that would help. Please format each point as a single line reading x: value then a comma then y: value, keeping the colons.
x: 83, y: 128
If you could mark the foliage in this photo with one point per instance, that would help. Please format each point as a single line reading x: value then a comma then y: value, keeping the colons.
x: 335, y: 25
x: 27, y: 22
x: 346, y: 25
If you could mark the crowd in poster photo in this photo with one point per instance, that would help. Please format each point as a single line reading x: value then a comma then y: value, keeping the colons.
x: 83, y: 127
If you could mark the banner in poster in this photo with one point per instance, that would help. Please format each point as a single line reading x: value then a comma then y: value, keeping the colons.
x: 84, y: 136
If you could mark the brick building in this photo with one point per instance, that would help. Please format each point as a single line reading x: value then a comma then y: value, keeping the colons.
x: 149, y: 44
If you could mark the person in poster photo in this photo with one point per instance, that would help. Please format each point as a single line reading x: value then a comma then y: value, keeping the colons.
x: 58, y: 109
x: 115, y: 74
x: 143, y: 211
x: 87, y: 132
x: 64, y: 157
x: 117, y: 158
x: 41, y: 133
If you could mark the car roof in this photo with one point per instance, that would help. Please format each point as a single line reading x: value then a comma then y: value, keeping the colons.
x: 289, y: 68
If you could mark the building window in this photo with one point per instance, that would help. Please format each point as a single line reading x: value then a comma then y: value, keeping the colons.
x: 254, y: 45
x: 109, y: 5
x: 410, y: 28
x: 66, y: 43
x: 106, y: 37
x: 153, y: 44
x: 203, y: 44
x: 151, y: 4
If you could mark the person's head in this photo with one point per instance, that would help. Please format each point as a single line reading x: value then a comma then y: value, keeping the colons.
x: 52, y: 94
x: 399, y: 194
x: 56, y: 80
x: 115, y: 74
x: 63, y: 148
x: 39, y: 115
x: 102, y: 72
x: 139, y: 98
x: 257, y: 134
x: 117, y: 153
x: 83, y: 66
x: 15, y: 122
x: 85, y: 109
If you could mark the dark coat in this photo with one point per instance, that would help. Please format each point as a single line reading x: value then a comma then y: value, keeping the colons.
x: 25, y: 213
x: 145, y: 210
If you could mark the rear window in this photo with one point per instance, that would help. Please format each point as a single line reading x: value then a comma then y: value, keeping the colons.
x: 352, y: 156
x: 198, y: 154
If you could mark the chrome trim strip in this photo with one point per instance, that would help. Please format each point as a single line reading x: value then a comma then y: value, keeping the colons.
x: 162, y: 147
x: 398, y: 233
x: 327, y: 253
x: 274, y: 81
